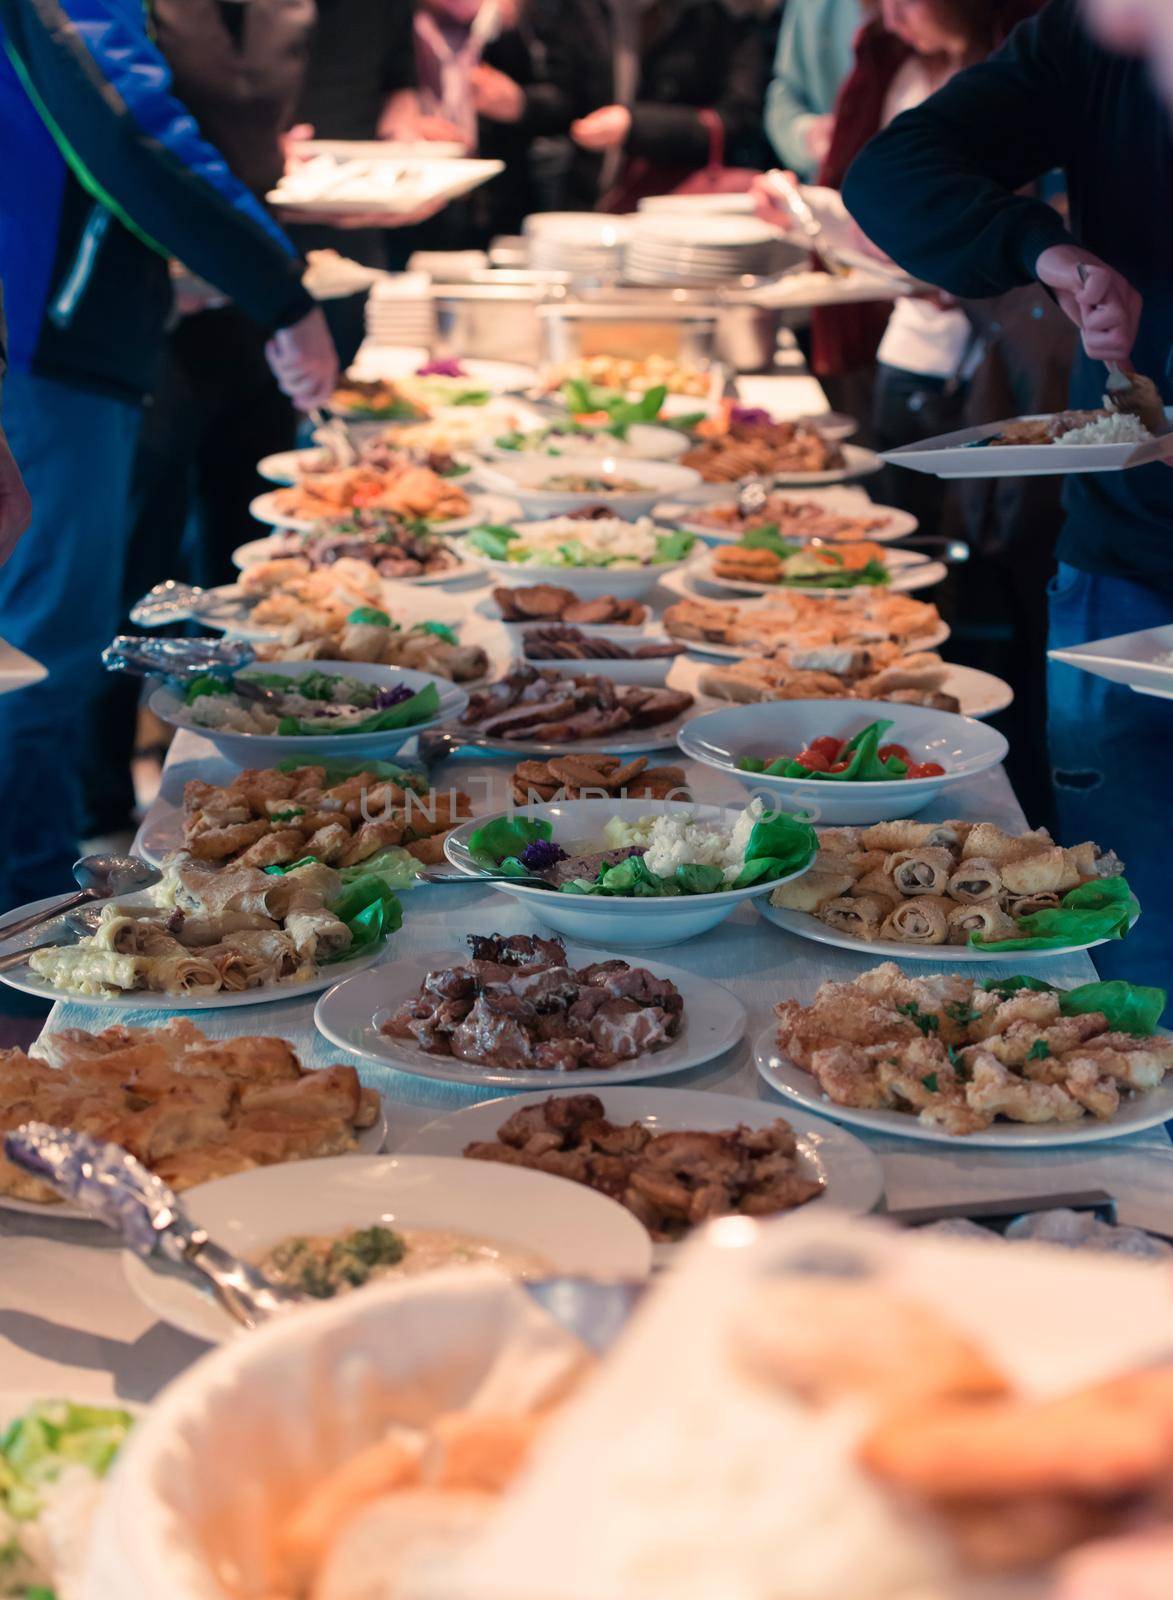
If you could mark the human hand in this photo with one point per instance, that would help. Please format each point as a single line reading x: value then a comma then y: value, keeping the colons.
x: 495, y: 95
x: 604, y: 129
x: 304, y: 361
x: 817, y: 136
x: 768, y: 203
x: 292, y: 142
x: 1138, y: 1566
x: 1103, y: 305
x: 16, y: 509
x: 403, y: 120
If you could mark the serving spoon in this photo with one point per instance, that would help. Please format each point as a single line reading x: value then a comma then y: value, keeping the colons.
x: 101, y: 877
x: 526, y: 880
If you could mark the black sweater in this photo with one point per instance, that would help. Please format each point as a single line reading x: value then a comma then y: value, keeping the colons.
x: 936, y: 190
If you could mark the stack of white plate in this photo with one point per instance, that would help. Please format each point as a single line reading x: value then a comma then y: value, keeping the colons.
x: 577, y: 242
x: 699, y: 205
x: 400, y: 310
x: 692, y: 248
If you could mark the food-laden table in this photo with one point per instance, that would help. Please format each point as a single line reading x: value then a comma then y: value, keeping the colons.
x: 69, y: 1324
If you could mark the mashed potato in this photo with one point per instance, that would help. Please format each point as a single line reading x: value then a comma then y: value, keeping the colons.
x: 677, y: 840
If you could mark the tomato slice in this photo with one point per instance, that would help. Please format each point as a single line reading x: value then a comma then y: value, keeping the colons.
x: 827, y: 745
x: 896, y: 750
x: 839, y: 766
x: 814, y: 760
x: 925, y: 769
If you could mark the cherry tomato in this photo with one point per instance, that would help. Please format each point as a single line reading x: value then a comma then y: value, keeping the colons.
x: 813, y: 760
x: 839, y: 766
x: 896, y: 750
x: 925, y: 769
x: 827, y: 745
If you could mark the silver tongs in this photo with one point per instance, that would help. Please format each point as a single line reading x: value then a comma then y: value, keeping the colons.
x: 783, y: 188
x: 177, y: 658
x: 120, y: 1192
x: 173, y: 601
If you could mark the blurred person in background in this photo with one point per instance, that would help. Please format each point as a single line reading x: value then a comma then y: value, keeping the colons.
x: 15, y: 506
x: 940, y: 191
x: 104, y: 177
x: 815, y: 53
x: 649, y: 91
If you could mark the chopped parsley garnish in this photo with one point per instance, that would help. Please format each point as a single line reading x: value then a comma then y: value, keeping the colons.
x: 958, y: 1011
x: 287, y: 816
x: 930, y: 1082
x: 926, y: 1021
x: 1039, y: 1051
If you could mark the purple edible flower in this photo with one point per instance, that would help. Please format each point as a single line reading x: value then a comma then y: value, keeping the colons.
x: 450, y: 368
x: 386, y: 698
x: 541, y: 855
x: 750, y: 416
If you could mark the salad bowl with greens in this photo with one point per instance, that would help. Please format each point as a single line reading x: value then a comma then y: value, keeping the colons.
x: 596, y: 556
x: 261, y: 715
x: 551, y: 486
x: 635, y: 873
x: 601, y: 422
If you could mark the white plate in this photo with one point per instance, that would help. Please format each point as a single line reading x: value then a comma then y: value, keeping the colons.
x: 954, y: 455
x: 350, y: 1015
x: 857, y: 463
x: 978, y: 694
x: 1144, y: 1111
x: 740, y: 652
x: 482, y: 508
x: 267, y: 749
x: 909, y: 570
x: 395, y: 184
x: 276, y: 545
x: 807, y: 926
x: 17, y: 670
x: 370, y: 1141
x: 526, y: 477
x: 630, y: 742
x: 850, y: 1172
x: 588, y: 583
x: 899, y: 525
x: 1128, y: 658
x: 581, y: 1233
x: 768, y: 728
x: 630, y: 924
x: 403, y: 361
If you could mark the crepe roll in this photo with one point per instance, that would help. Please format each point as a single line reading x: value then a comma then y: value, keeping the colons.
x: 951, y: 834
x: 317, y: 935
x: 1047, y: 870
x: 839, y: 840
x: 82, y: 969
x: 196, y: 931
x: 877, y: 881
x: 858, y: 915
x: 182, y: 974
x: 1026, y: 905
x: 922, y: 920
x: 314, y: 886
x: 891, y: 836
x: 992, y: 843
x: 921, y: 871
x: 812, y: 890
x: 976, y: 879
x: 981, y: 916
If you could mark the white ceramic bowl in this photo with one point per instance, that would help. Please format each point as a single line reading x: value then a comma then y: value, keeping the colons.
x: 251, y: 1212
x: 524, y: 477
x: 784, y: 727
x: 266, y: 749
x: 645, y: 441
x: 635, y: 923
x: 649, y: 670
x: 588, y: 583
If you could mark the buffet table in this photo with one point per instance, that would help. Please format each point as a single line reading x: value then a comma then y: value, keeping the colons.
x: 69, y: 1323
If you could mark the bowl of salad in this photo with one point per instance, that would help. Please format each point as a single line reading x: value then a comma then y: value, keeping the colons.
x: 314, y: 709
x: 633, y: 874
x: 593, y: 555
x: 843, y: 761
x: 550, y: 486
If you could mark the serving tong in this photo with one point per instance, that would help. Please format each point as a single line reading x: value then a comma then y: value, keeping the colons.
x: 100, y: 878
x: 177, y: 658
x: 172, y: 601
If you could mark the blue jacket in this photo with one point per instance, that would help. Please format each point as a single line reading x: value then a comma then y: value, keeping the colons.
x: 816, y: 51
x: 103, y: 176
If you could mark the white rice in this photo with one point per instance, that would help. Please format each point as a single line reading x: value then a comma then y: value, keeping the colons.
x: 1121, y: 427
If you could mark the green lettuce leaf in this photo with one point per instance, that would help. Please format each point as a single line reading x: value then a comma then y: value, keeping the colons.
x: 1129, y: 1007
x: 206, y: 683
x: 504, y: 837
x: 696, y: 879
x: 1102, y: 909
x: 371, y: 910
x: 492, y: 540
x: 767, y: 537
x: 337, y: 770
x: 371, y: 615
x: 674, y: 545
x: 441, y: 630
x: 396, y: 866
x: 778, y: 845
x: 422, y: 706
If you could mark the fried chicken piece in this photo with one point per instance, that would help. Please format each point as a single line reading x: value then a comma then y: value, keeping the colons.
x: 997, y: 1092
x: 1036, y: 1006
x: 220, y: 844
x: 329, y: 843
x: 370, y: 839
x: 1013, y: 1048
x: 276, y: 849
x: 847, y: 1075
x: 1138, y: 1063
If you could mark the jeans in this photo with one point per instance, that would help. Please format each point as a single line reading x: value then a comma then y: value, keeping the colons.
x: 60, y: 599
x: 1111, y: 756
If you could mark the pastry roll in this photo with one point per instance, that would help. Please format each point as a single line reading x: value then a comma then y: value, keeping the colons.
x: 921, y: 871
x: 810, y: 891
x: 1049, y: 869
x: 877, y: 881
x: 1025, y: 905
x: 82, y: 969
x: 182, y: 974
x: 858, y: 915
x: 982, y: 916
x: 903, y: 835
x: 922, y: 920
x: 951, y: 834
x: 318, y: 935
x: 975, y: 879
x: 840, y: 840
x: 990, y: 842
